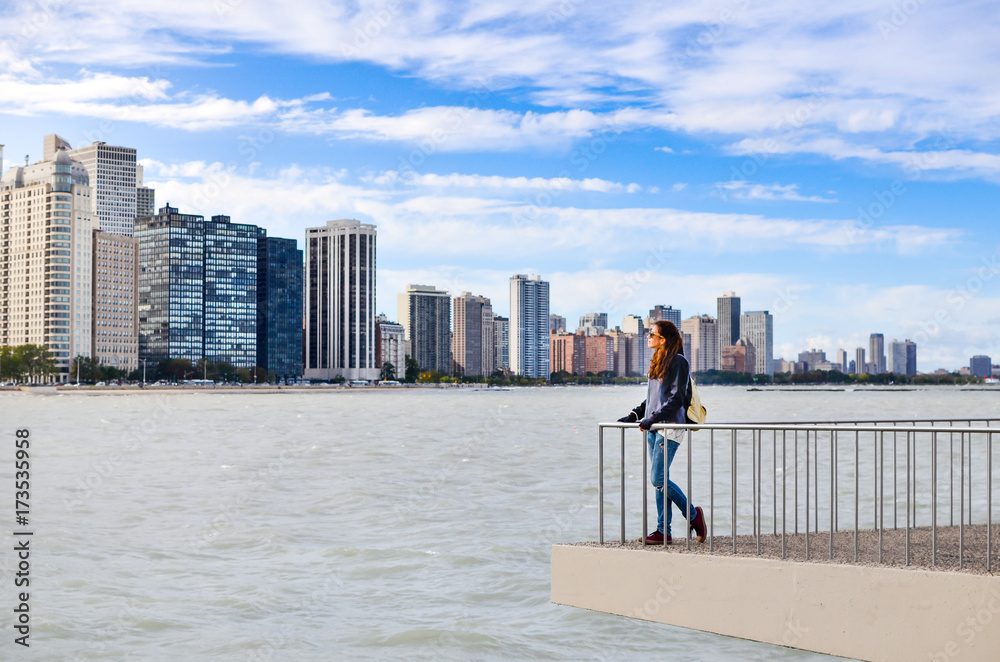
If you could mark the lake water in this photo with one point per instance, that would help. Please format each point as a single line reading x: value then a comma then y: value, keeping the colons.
x: 371, y: 525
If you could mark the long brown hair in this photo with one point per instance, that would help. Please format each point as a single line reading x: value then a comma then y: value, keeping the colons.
x: 673, y: 344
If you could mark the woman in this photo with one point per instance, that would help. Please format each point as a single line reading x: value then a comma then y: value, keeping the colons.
x: 666, y: 402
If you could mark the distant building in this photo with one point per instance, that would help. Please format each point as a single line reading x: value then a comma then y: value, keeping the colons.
x: 593, y: 324
x: 667, y: 313
x: 981, y: 366
x: 876, y: 349
x: 280, y: 278
x: 600, y: 354
x: 145, y: 197
x: 425, y: 313
x: 340, y: 301
x: 116, y: 280
x: 472, y: 342
x: 728, y: 308
x: 197, y: 288
x: 703, y: 330
x: 813, y: 358
x: 903, y: 356
x: 842, y: 360
x: 557, y: 323
x: 859, y: 361
x: 568, y: 353
x: 758, y: 328
x: 46, y: 258
x: 113, y: 177
x: 529, y: 316
x: 390, y: 345
x: 501, y: 340
x: 739, y: 357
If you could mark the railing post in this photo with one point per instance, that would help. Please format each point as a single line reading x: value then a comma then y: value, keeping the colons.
x: 687, y: 524
x: 989, y: 502
x: 645, y: 482
x: 784, y: 434
x: 961, y: 501
x: 934, y: 499
x: 623, y: 483
x: 733, y: 486
x: 600, y: 482
x: 908, y: 498
x: 857, y: 488
x: 807, y: 494
x: 833, y: 487
x: 711, y: 487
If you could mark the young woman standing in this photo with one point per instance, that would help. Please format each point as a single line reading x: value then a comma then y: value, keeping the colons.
x: 666, y: 402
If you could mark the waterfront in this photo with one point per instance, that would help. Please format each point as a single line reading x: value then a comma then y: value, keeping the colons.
x: 348, y: 525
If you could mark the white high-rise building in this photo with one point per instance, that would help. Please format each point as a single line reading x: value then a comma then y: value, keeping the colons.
x: 704, y: 349
x: 46, y: 262
x: 529, y: 326
x: 340, y: 301
x: 113, y: 179
x: 116, y: 286
x: 757, y: 327
x: 842, y: 360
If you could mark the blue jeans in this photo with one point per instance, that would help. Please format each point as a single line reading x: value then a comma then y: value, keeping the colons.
x: 654, y: 440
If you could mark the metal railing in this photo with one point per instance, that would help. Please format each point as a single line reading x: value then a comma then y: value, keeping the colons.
x: 900, y: 476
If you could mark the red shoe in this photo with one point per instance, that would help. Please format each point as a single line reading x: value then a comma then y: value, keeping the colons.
x: 656, y: 538
x: 698, y: 524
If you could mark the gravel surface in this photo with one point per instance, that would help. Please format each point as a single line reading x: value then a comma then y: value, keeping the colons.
x: 921, y: 547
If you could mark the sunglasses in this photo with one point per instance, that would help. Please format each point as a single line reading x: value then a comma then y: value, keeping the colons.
x: 655, y: 335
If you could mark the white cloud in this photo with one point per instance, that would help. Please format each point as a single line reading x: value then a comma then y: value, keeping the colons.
x: 743, y: 190
x: 495, y: 182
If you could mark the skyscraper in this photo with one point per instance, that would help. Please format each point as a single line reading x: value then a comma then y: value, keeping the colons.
x: 728, y: 308
x: 981, y: 366
x: 859, y: 361
x: 279, y: 306
x: 704, y: 332
x: 425, y: 313
x: 842, y: 360
x: 197, y: 288
x: 876, y: 350
x: 529, y: 333
x: 340, y: 301
x: 391, y: 345
x: 472, y: 342
x: 145, y: 197
x: 757, y: 326
x: 904, y: 357
x: 113, y: 178
x: 557, y: 323
x: 46, y: 261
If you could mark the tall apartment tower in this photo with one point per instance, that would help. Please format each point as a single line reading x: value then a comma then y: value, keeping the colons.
x: 280, y: 276
x: 46, y: 261
x: 340, y: 301
x: 757, y: 327
x: 668, y: 313
x: 197, y: 288
x: 557, y: 323
x: 842, y: 360
x: 529, y: 333
x: 728, y: 308
x: 115, y: 286
x: 472, y: 343
x: 876, y: 349
x: 704, y: 332
x: 113, y: 177
x: 501, y: 339
x: 425, y: 313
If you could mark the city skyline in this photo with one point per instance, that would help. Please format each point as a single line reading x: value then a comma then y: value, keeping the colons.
x: 632, y: 155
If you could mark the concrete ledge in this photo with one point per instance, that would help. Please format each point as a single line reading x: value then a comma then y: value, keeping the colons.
x: 863, y: 612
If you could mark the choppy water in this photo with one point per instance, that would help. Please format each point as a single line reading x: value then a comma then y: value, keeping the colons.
x: 409, y: 525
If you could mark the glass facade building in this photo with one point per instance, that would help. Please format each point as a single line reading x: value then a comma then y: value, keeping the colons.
x: 197, y: 293
x: 279, y: 306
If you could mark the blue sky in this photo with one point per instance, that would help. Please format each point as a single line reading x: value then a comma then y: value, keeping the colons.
x: 836, y: 165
